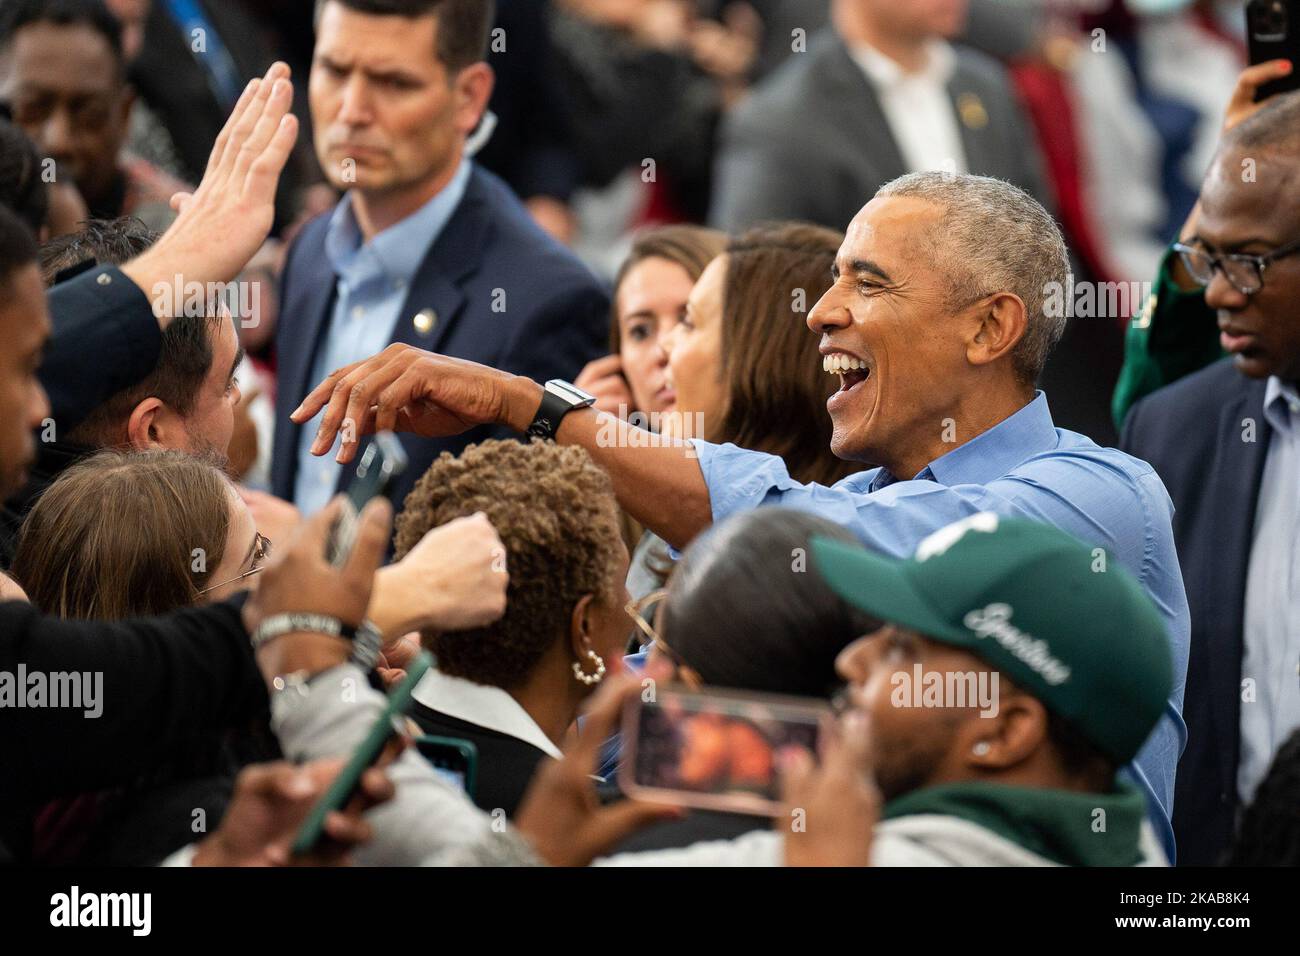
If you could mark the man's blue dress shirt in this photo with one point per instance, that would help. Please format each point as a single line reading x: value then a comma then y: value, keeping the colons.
x: 1024, y: 467
x: 373, y: 282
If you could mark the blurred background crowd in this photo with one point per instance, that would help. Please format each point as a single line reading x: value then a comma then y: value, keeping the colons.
x: 608, y: 116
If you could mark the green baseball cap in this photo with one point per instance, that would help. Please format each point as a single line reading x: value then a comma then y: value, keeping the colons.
x: 1056, y: 616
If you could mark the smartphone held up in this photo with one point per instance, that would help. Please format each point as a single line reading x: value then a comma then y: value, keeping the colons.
x: 1273, y: 33
x: 715, y: 750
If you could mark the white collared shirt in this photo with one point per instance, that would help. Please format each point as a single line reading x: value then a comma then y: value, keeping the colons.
x: 917, y: 107
x: 1270, y: 705
x: 483, y: 706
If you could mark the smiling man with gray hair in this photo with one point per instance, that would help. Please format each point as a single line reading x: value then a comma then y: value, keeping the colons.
x: 936, y: 329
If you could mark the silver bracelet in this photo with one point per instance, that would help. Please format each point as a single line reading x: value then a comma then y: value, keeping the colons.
x: 366, y: 639
x: 278, y: 625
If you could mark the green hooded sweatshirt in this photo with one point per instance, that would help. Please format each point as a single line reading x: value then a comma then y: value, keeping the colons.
x: 1063, y: 826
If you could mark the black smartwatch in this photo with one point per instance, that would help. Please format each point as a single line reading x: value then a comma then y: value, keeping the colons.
x: 558, y: 399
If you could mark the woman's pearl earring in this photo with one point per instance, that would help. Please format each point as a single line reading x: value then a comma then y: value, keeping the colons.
x: 981, y: 749
x: 586, y: 678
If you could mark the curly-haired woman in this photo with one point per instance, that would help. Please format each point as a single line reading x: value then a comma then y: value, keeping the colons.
x: 513, y: 688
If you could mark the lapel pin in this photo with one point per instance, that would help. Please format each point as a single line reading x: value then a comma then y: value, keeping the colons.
x: 972, y: 112
x: 424, y: 321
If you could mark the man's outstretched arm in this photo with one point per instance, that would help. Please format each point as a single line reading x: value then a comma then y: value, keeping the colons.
x: 657, y: 480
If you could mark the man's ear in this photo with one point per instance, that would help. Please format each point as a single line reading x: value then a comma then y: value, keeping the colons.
x: 580, y: 628
x: 472, y: 89
x: 153, y: 425
x: 1013, y: 735
x: 1003, y: 320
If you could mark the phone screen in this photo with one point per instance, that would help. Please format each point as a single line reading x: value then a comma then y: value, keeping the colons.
x: 453, y: 759
x: 1273, y: 33
x: 715, y: 749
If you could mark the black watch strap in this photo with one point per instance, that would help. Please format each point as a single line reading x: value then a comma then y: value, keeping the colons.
x: 558, y: 399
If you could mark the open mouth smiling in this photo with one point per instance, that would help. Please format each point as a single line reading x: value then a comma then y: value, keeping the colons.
x: 852, y: 371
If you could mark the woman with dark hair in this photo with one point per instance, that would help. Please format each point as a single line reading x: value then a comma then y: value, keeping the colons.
x: 744, y: 368
x: 742, y: 362
x: 743, y: 610
x: 649, y: 299
x: 650, y: 293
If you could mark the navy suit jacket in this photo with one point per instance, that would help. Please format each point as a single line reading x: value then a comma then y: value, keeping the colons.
x: 1196, y: 434
x: 551, y: 315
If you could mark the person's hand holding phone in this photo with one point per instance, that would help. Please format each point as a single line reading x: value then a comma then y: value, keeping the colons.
x: 299, y: 579
x: 831, y: 807
x: 454, y: 579
x: 561, y: 816
x: 269, y: 804
x: 1242, y: 104
x: 603, y: 378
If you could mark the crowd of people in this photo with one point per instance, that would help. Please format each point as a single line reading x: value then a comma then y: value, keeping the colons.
x: 718, y: 341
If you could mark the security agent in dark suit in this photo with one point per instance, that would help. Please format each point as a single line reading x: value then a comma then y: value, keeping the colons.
x: 1226, y: 442
x: 426, y: 248
x: 816, y: 138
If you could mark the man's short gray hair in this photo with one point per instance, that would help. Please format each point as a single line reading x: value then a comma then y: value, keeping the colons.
x: 995, y: 237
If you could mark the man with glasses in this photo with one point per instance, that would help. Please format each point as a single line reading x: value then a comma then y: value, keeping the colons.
x: 1226, y: 441
x: 63, y: 77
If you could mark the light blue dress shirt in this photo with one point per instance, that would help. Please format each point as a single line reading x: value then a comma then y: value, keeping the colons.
x: 374, y: 279
x: 1025, y: 467
x: 1270, y: 704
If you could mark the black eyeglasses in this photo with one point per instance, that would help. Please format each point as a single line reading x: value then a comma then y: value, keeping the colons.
x: 1244, y: 272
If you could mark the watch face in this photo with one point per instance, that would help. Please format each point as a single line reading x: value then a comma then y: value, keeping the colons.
x: 571, y: 394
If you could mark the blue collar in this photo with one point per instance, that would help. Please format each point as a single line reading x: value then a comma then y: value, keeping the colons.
x: 1281, y: 404
x: 397, y: 252
x: 993, y: 453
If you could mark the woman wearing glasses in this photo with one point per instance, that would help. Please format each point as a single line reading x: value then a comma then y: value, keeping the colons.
x: 123, y: 535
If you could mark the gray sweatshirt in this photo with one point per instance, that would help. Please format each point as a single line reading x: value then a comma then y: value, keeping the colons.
x: 431, y: 823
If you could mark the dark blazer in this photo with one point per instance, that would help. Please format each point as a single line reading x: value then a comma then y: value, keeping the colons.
x: 812, y: 142
x: 1192, y: 433
x: 555, y: 317
x: 505, y: 764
